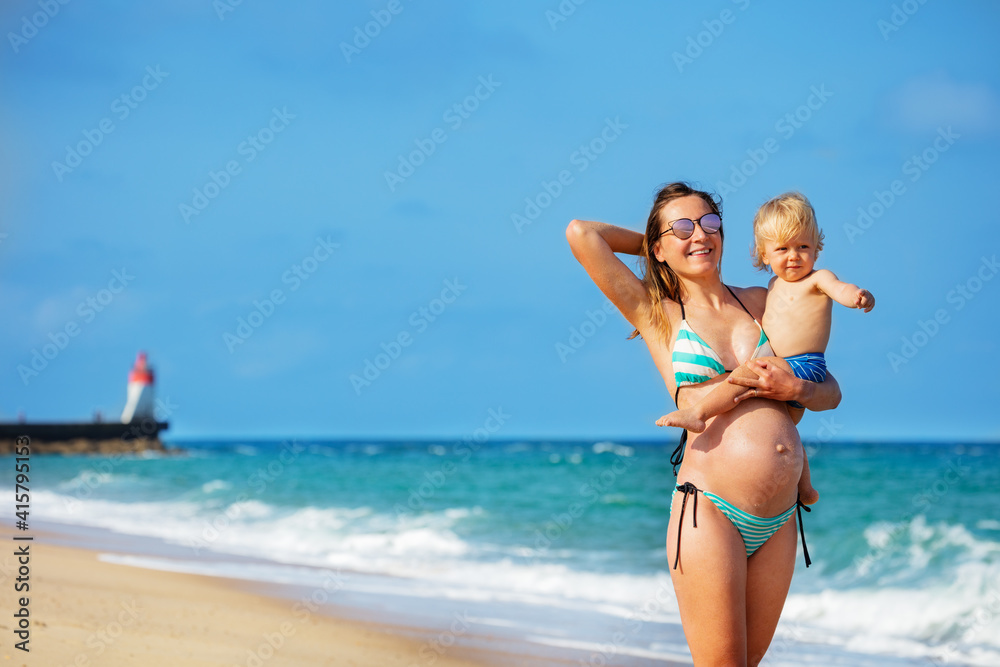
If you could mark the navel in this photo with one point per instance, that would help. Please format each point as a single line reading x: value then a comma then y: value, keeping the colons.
x: 780, y: 448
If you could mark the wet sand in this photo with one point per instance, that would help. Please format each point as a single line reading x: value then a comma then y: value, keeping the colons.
x: 86, y: 612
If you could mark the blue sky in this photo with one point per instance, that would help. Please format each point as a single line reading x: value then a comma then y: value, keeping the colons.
x: 414, y: 186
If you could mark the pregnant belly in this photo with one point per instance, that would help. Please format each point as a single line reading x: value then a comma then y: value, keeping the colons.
x: 751, y: 456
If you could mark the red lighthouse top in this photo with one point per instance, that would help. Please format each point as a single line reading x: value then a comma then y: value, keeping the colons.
x: 141, y: 373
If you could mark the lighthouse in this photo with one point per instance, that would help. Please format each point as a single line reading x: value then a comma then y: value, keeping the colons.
x: 139, y: 403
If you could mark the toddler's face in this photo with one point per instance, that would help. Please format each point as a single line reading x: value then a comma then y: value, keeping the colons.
x: 792, y: 259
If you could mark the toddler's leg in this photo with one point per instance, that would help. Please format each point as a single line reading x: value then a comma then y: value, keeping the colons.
x: 807, y: 494
x: 719, y: 400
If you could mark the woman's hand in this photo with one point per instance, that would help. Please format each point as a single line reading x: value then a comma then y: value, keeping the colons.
x: 771, y: 382
x: 777, y: 383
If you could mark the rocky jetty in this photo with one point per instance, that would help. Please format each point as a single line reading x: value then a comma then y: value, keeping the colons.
x: 85, y: 438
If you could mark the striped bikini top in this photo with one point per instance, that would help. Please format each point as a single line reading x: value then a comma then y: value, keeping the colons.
x: 695, y: 361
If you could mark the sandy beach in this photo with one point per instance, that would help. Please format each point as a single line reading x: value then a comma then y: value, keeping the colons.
x: 87, y: 612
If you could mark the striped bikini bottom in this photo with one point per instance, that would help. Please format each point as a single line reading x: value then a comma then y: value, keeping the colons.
x: 755, y: 530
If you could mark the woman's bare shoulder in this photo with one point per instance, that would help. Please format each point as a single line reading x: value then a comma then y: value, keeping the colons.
x: 753, y: 297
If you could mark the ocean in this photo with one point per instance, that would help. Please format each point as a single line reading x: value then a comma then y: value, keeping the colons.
x: 554, y: 547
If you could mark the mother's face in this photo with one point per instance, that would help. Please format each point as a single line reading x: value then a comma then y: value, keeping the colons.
x: 696, y: 255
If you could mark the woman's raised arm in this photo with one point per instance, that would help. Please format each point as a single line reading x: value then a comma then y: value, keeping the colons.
x: 594, y: 245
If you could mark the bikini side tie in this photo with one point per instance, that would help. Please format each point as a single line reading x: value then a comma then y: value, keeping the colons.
x: 802, y: 531
x: 686, y: 488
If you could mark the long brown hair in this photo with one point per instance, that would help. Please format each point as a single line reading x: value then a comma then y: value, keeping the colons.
x: 659, y: 279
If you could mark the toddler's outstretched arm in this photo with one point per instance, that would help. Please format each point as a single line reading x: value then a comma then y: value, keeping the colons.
x: 843, y: 293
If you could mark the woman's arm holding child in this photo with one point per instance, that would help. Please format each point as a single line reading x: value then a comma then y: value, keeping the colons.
x: 779, y: 384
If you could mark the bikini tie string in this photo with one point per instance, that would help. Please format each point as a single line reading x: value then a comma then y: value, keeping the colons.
x: 686, y: 488
x: 678, y: 456
x: 802, y: 531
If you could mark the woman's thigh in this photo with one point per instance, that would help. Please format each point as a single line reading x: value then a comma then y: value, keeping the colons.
x: 769, y: 574
x: 710, y: 583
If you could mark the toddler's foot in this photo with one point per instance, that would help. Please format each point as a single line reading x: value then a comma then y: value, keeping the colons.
x: 808, y: 495
x: 684, y: 419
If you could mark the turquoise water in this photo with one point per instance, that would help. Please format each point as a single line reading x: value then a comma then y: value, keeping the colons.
x: 905, y: 540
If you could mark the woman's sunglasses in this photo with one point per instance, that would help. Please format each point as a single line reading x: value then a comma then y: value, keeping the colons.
x: 684, y: 228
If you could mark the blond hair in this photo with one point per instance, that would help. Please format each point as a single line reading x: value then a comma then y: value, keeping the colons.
x: 780, y: 219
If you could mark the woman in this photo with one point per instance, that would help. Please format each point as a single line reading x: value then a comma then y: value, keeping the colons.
x: 730, y: 591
